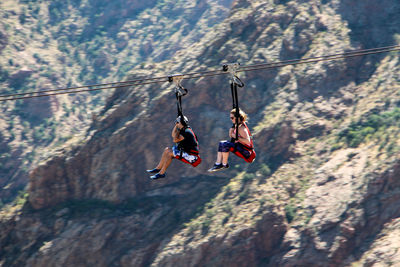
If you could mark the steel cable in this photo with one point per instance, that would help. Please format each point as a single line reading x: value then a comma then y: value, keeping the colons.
x: 194, y: 75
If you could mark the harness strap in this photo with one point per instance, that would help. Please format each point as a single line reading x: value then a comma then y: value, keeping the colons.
x: 247, y: 147
x: 235, y: 82
x: 179, y: 103
x: 193, y: 151
x: 235, y: 105
x: 179, y: 91
x: 251, y: 138
x: 237, y: 115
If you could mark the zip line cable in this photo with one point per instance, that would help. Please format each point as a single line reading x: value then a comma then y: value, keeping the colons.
x: 203, y: 74
x: 81, y: 87
x: 77, y: 91
x: 154, y: 80
x: 345, y: 54
x: 320, y: 58
x: 128, y: 83
x: 72, y: 90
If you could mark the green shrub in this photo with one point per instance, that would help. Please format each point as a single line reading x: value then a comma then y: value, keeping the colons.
x: 336, y: 146
x: 205, y: 224
x: 365, y: 128
x: 391, y: 148
x: 243, y: 196
x: 225, y: 219
x: 247, y: 177
x: 290, y: 212
x: 21, y: 198
x: 351, y: 155
x: 265, y: 170
x: 227, y: 208
x: 227, y: 191
x: 22, y: 16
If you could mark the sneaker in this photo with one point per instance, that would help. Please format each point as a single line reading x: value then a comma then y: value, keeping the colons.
x: 153, y: 171
x: 225, y: 166
x: 158, y: 176
x: 216, y: 167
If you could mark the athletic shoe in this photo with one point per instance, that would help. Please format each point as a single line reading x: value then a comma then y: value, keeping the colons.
x: 158, y: 176
x: 216, y: 167
x: 153, y: 171
x: 225, y: 166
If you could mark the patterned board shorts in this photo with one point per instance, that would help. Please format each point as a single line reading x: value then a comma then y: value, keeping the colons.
x: 186, y: 156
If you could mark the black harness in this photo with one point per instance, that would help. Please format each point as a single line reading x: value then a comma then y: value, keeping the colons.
x: 235, y: 83
x: 179, y: 92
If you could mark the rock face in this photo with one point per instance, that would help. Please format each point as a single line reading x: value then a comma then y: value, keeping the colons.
x: 3, y: 40
x: 323, y: 191
x: 59, y: 44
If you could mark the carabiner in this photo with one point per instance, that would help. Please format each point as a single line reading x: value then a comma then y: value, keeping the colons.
x: 232, y: 69
x: 179, y: 89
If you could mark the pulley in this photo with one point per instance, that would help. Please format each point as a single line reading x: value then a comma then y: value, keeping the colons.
x: 232, y: 68
x: 179, y: 89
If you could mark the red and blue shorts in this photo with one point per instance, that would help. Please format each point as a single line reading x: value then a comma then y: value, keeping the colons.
x: 238, y: 149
